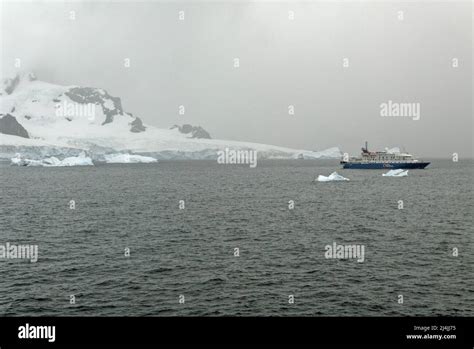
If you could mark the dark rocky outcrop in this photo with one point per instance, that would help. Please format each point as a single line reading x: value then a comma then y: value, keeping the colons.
x: 90, y: 95
x: 10, y: 126
x: 137, y: 125
x: 193, y: 131
x: 9, y: 85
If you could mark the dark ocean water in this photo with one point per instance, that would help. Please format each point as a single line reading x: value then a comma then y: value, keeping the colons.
x: 190, y: 252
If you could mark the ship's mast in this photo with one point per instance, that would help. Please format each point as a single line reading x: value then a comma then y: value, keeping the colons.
x: 366, y: 146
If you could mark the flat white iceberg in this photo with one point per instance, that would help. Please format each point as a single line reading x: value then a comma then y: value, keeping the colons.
x: 80, y: 160
x: 128, y: 159
x: 396, y: 173
x: 332, y: 177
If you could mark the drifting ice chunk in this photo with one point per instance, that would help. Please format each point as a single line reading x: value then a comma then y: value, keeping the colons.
x: 332, y: 177
x: 396, y: 173
x: 52, y: 161
x: 19, y: 161
x: 127, y: 159
x: 81, y: 160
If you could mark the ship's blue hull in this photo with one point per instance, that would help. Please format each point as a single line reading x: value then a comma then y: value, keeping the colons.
x: 384, y: 165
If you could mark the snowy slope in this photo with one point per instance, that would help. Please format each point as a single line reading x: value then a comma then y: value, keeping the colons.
x: 68, y: 119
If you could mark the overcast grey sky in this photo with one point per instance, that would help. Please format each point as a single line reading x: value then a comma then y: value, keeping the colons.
x: 283, y: 62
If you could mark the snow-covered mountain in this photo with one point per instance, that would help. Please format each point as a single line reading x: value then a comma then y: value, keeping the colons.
x: 39, y: 119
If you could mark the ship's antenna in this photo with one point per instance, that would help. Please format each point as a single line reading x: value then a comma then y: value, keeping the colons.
x: 366, y: 146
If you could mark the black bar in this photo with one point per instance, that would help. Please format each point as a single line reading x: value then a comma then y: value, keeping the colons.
x: 316, y: 331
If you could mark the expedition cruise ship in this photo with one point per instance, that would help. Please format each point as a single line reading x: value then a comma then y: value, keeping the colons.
x: 383, y: 160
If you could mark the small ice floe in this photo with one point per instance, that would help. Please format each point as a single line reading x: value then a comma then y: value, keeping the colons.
x: 80, y: 160
x: 128, y: 159
x: 332, y: 177
x: 396, y: 173
x: 18, y: 161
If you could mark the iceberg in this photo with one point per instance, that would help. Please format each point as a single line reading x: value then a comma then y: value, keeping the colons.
x: 128, y: 159
x: 19, y: 161
x: 396, y: 173
x: 81, y: 160
x: 332, y: 177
